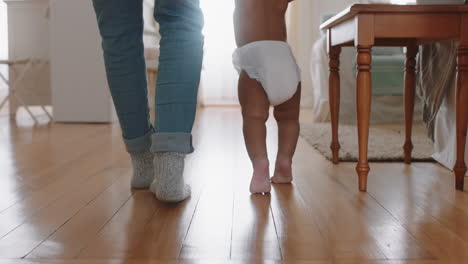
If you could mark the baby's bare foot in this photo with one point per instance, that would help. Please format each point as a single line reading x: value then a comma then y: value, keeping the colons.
x: 260, y: 182
x: 283, y: 172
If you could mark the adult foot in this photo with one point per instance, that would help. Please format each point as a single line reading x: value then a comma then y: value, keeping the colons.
x: 169, y: 184
x: 143, y: 171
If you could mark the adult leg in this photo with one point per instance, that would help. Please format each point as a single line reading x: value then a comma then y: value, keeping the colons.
x: 181, y: 23
x: 121, y: 27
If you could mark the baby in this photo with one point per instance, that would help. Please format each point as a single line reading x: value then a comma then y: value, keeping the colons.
x: 269, y: 75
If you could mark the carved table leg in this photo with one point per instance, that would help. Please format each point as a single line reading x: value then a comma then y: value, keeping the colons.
x: 364, y: 60
x: 410, y: 87
x: 334, y: 99
x: 461, y: 114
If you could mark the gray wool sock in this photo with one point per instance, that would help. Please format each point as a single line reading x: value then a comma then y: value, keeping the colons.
x: 169, y: 184
x: 143, y: 172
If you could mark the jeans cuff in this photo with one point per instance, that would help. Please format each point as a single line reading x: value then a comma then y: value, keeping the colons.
x: 139, y: 144
x: 172, y: 142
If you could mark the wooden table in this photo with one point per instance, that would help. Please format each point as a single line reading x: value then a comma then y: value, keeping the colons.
x: 365, y: 26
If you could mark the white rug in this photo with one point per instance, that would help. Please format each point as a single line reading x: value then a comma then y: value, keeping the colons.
x: 385, y: 141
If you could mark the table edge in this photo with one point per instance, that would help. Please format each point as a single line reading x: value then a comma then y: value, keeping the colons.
x: 355, y: 9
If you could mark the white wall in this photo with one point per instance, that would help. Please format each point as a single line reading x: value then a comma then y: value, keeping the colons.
x: 79, y: 86
x: 304, y: 18
x: 218, y: 84
x: 303, y: 30
x: 3, y: 39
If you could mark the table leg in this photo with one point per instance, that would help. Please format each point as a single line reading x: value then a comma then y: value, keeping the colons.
x: 461, y: 114
x: 334, y: 99
x: 410, y: 87
x: 364, y: 60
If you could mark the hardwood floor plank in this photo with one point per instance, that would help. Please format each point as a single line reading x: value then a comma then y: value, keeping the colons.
x: 116, y: 238
x: 346, y: 237
x: 68, y: 178
x: 422, y: 214
x: 26, y: 167
x: 165, y: 231
x: 209, y: 234
x: 139, y: 261
x: 23, y: 239
x: 75, y: 234
x: 349, y: 223
x: 65, y: 155
x: 300, y: 236
x: 77, y: 208
x: 31, y: 159
x: 254, y: 234
x: 160, y: 235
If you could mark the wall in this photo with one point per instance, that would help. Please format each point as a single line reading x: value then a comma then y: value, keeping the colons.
x: 303, y: 30
x: 3, y: 41
x: 218, y: 84
x: 28, y: 30
x: 79, y: 86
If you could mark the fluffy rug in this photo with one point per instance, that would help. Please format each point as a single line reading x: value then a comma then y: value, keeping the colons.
x: 385, y: 141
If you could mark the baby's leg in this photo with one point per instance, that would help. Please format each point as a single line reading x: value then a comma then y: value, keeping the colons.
x: 255, y: 106
x: 287, y: 116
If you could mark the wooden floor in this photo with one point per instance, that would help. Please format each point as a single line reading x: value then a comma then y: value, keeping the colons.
x: 65, y: 198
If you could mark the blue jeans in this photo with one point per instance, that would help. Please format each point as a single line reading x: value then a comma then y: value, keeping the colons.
x: 181, y: 52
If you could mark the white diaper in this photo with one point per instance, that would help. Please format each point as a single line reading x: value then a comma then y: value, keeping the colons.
x: 273, y: 65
